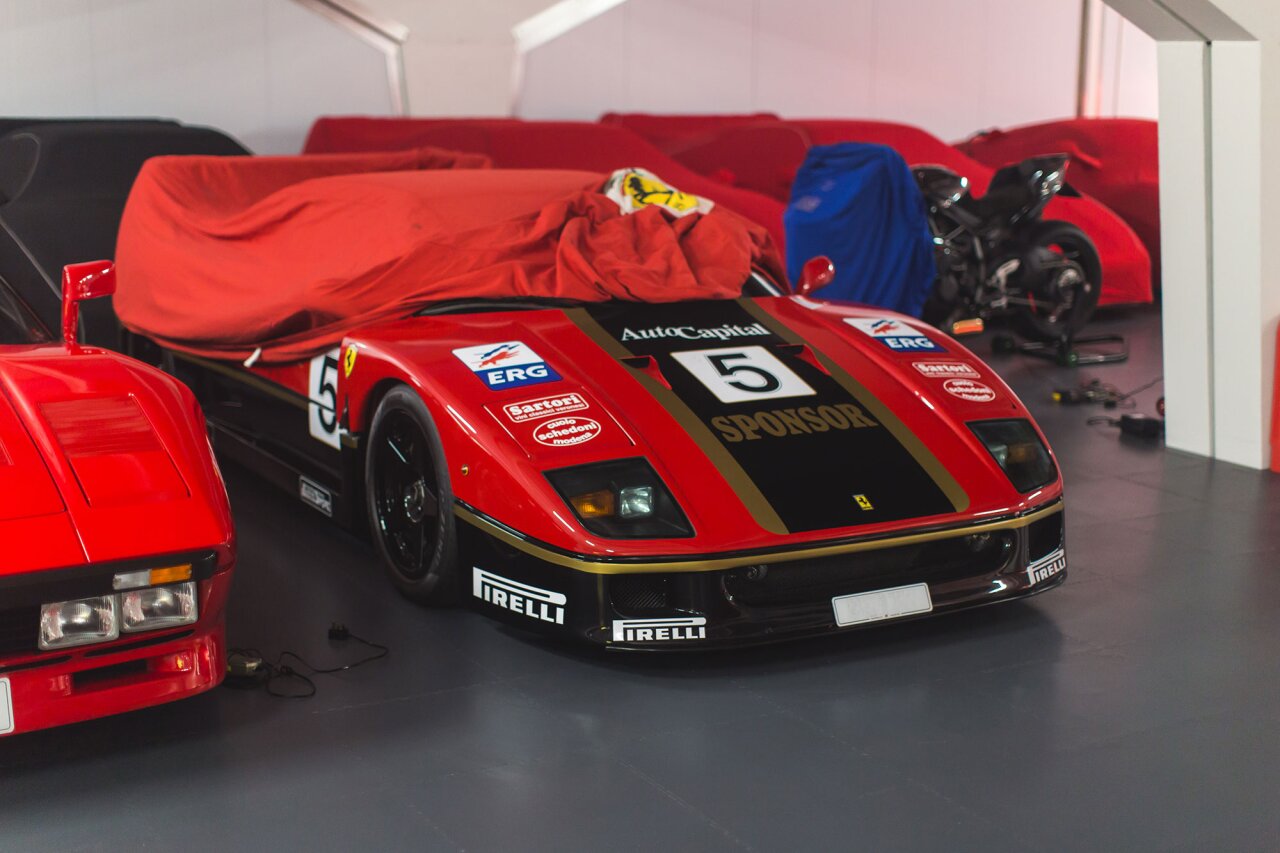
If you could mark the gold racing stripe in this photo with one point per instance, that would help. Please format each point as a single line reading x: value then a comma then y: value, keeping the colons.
x: 750, y: 495
x: 924, y: 457
x: 583, y: 563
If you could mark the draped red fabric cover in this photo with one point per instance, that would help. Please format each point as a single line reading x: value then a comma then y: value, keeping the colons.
x: 222, y: 256
x: 674, y: 132
x: 514, y: 144
x: 1115, y: 160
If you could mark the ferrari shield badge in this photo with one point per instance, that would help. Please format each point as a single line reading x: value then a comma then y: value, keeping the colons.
x: 349, y: 361
x: 636, y: 189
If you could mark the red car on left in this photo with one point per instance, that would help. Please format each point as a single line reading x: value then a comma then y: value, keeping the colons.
x: 118, y: 539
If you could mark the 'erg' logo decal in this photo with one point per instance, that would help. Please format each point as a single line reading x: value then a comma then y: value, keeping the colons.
x: 895, y: 334
x: 506, y: 365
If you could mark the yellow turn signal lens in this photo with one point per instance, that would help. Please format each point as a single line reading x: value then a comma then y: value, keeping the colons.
x: 171, y: 574
x: 594, y: 504
x: 1021, y: 454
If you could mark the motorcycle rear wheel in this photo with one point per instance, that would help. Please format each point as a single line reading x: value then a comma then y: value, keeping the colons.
x: 1077, y: 273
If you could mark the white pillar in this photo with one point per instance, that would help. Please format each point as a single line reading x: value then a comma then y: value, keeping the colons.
x: 1219, y: 194
x: 1185, y: 235
x: 1243, y: 330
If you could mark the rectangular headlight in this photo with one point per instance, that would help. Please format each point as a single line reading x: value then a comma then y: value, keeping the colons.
x: 1017, y: 449
x: 158, y: 607
x: 621, y: 499
x: 64, y: 624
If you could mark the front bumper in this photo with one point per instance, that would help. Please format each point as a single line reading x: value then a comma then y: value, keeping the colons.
x: 768, y: 599
x: 83, y: 683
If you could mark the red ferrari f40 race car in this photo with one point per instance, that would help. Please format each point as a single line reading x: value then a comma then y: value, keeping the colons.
x: 585, y: 404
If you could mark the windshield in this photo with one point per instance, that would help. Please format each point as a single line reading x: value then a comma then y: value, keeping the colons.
x: 17, y: 324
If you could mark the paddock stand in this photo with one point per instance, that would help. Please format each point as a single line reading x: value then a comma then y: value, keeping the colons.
x: 1063, y: 351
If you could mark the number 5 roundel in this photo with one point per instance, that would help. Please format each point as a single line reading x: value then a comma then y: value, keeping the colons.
x: 739, y: 374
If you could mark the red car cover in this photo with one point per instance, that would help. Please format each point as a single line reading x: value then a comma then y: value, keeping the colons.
x: 514, y: 144
x: 753, y: 153
x: 225, y: 256
x: 674, y: 133
x: 1115, y: 160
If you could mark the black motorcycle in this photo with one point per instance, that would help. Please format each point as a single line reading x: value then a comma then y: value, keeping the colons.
x: 997, y: 256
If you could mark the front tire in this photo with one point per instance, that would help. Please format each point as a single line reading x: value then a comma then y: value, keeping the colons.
x: 1067, y: 264
x: 410, y: 500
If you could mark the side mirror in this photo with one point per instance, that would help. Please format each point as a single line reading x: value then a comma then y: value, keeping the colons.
x: 83, y: 281
x: 816, y: 273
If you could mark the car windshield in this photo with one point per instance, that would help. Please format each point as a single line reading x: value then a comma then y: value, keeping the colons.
x: 17, y: 324
x: 757, y: 284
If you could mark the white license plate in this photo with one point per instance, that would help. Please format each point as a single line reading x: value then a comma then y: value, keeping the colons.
x: 6, y: 707
x: 882, y: 604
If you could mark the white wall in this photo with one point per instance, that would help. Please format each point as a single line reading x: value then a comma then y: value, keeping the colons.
x: 460, y: 54
x: 950, y: 68
x: 259, y: 69
x: 1121, y: 70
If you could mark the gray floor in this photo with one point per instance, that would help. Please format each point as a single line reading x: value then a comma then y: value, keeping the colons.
x: 1135, y: 708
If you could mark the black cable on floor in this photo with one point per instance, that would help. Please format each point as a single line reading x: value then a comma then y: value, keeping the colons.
x: 249, y: 669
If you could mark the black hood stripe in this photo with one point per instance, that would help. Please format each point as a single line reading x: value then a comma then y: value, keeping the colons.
x: 813, y: 450
x: 919, y: 451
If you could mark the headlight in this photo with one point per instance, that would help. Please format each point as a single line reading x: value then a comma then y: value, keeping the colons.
x: 621, y: 500
x: 1018, y: 450
x: 64, y: 624
x: 158, y: 607
x: 101, y: 619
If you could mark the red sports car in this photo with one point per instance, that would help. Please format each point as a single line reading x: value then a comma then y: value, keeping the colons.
x: 118, y: 537
x: 585, y: 404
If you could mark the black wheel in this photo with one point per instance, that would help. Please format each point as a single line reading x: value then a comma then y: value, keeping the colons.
x: 410, y: 500
x: 1066, y: 280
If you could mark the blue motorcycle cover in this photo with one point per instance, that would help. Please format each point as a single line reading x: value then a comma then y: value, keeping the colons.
x: 859, y: 205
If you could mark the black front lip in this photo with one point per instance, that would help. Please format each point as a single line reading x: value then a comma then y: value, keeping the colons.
x: 592, y: 603
x: 759, y: 628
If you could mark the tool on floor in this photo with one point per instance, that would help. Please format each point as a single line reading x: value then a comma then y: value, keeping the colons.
x: 1063, y: 350
x: 1097, y: 391
x: 248, y: 668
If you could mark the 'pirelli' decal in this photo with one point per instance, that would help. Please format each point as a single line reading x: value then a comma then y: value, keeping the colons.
x: 534, y: 602
x: 1047, y: 566
x: 659, y: 630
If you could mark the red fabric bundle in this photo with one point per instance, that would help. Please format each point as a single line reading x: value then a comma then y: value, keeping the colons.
x: 222, y: 256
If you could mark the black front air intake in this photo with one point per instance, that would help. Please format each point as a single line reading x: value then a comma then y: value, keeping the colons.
x: 817, y: 581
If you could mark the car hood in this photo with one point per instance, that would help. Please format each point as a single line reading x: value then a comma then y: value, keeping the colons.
x: 771, y: 419
x: 99, y: 457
